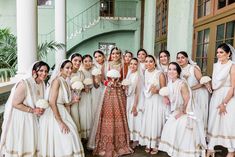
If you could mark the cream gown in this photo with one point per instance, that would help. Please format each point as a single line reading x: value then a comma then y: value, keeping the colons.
x: 54, y: 143
x: 221, y: 128
x: 74, y: 108
x: 200, y: 95
x: 134, y: 122
x: 85, y: 109
x: 20, y: 129
x: 182, y: 137
x: 154, y: 112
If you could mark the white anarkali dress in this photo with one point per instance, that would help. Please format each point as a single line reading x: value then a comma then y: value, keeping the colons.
x: 221, y: 128
x: 182, y: 137
x: 54, y: 143
x: 74, y: 108
x: 20, y: 129
x: 85, y: 108
x: 154, y: 112
x: 200, y: 96
x: 134, y: 122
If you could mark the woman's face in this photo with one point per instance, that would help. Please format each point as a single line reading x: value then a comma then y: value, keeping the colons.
x: 164, y: 60
x: 87, y: 63
x: 66, y: 71
x: 172, y: 72
x: 141, y: 56
x: 181, y: 60
x: 127, y: 58
x: 222, y: 55
x: 42, y: 73
x: 99, y: 58
x: 133, y: 65
x: 115, y: 55
x: 76, y: 62
x: 149, y: 63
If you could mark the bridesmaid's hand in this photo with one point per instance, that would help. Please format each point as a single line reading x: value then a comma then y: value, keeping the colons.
x: 222, y: 109
x: 154, y: 90
x: 208, y: 87
x: 64, y: 128
x: 75, y: 99
x: 87, y: 89
x: 166, y: 100
x: 38, y: 111
x: 134, y: 111
x: 179, y: 115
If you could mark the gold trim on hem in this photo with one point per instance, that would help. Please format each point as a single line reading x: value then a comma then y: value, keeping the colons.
x: 220, y: 136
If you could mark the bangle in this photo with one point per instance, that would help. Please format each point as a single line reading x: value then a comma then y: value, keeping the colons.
x: 30, y: 110
x: 225, y: 104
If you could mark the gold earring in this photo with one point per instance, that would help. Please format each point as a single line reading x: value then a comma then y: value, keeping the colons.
x: 34, y: 76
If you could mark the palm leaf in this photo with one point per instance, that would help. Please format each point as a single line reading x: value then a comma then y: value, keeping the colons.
x: 47, y: 47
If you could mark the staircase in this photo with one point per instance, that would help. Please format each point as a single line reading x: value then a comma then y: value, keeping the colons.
x: 94, y: 20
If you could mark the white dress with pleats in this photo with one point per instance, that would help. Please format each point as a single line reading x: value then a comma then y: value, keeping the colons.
x: 74, y: 108
x: 85, y: 109
x: 221, y: 128
x: 54, y: 143
x: 200, y: 96
x: 154, y: 112
x: 20, y: 129
x: 134, y: 122
x: 182, y: 137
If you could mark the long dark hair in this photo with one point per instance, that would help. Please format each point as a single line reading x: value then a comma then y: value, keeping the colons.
x: 226, y: 48
x: 143, y: 51
x: 178, y: 68
x: 75, y: 55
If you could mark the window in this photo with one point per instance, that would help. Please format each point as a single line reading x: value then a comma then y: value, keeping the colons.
x: 44, y: 2
x: 225, y: 33
x: 161, y: 25
x: 203, y: 8
x: 223, y: 3
x: 202, y: 49
x: 106, y: 47
x: 107, y: 8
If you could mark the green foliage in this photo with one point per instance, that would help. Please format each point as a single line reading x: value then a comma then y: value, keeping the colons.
x: 8, y: 53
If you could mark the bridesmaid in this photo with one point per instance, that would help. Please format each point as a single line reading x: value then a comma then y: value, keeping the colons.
x: 133, y: 114
x: 154, y: 109
x: 85, y: 104
x: 58, y: 132
x: 221, y: 128
x: 20, y: 125
x: 76, y: 59
x: 98, y: 88
x: 163, y: 61
x: 127, y: 58
x: 200, y: 96
x: 141, y: 55
x: 182, y: 135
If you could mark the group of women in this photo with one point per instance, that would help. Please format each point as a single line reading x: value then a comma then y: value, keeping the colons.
x: 123, y: 107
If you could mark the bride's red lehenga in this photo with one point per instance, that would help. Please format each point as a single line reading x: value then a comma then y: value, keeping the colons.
x: 112, y: 136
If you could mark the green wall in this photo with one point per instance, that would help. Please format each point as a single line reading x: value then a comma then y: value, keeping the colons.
x: 123, y: 40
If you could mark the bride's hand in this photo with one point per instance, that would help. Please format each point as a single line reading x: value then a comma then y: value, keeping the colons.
x: 64, y: 128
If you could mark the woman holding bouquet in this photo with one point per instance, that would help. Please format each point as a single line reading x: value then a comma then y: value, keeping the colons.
x: 58, y: 132
x: 20, y: 125
x: 76, y: 75
x: 110, y: 135
x: 182, y: 135
x: 200, y: 96
x: 85, y: 104
x: 154, y: 109
x: 221, y: 128
x: 98, y: 74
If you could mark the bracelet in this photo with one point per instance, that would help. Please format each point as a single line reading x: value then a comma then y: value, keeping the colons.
x: 225, y: 104
x: 30, y: 110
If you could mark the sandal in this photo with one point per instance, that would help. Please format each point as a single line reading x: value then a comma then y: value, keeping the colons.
x: 147, y: 150
x: 154, y: 151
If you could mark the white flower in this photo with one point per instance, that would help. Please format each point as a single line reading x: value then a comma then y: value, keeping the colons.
x: 42, y: 103
x: 126, y: 82
x: 164, y: 91
x: 78, y: 85
x: 113, y: 74
x: 96, y: 72
x: 88, y: 81
x: 74, y: 79
x: 205, y: 79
